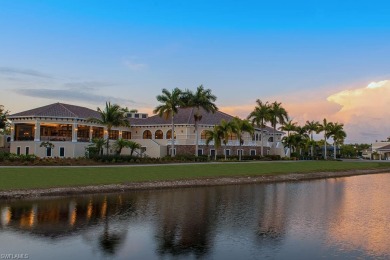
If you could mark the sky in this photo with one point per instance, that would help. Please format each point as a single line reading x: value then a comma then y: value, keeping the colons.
x: 319, y: 58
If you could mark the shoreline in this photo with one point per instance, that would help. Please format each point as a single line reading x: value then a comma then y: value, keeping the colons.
x: 184, y: 183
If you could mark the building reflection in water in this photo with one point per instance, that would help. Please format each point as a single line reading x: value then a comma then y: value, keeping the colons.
x: 189, y: 222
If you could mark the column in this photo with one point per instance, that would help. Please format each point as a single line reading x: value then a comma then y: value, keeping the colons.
x: 74, y: 133
x: 120, y: 134
x: 37, y: 128
x: 12, y: 132
x: 90, y: 133
x: 105, y: 136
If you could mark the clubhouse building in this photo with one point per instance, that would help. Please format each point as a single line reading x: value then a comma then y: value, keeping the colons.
x: 67, y: 127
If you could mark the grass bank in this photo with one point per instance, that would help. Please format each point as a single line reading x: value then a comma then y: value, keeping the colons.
x: 51, y: 177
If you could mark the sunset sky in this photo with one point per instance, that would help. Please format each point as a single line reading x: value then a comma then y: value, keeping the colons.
x: 319, y: 58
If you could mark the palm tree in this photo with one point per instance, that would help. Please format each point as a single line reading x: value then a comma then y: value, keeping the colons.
x: 303, y: 136
x: 120, y: 144
x: 338, y: 134
x: 111, y: 116
x: 239, y: 128
x: 324, y: 127
x: 288, y: 127
x: 170, y: 102
x: 215, y: 136
x: 133, y: 145
x: 311, y: 127
x: 3, y: 117
x: 99, y: 143
x: 278, y: 115
x: 259, y: 117
x: 202, y: 98
x: 226, y: 129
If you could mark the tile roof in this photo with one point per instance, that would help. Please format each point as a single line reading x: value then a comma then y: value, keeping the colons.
x: 185, y: 116
x: 58, y: 110
x: 386, y: 147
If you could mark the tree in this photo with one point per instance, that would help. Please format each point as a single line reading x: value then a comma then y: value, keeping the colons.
x: 288, y: 127
x: 111, y: 116
x: 47, y: 145
x: 338, y: 134
x: 302, y: 138
x: 324, y: 127
x: 98, y: 144
x: 170, y: 102
x: 133, y: 145
x: 226, y: 129
x: 278, y: 115
x: 239, y: 128
x: 259, y: 117
x: 311, y: 127
x: 3, y: 117
x: 215, y: 136
x: 202, y: 98
x: 119, y: 145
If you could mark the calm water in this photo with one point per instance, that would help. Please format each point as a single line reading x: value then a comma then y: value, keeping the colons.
x: 344, y: 218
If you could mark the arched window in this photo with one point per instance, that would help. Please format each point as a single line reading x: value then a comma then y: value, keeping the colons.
x: 232, y: 137
x: 147, y: 135
x: 203, y: 135
x: 169, y: 134
x: 158, y: 134
x: 271, y: 139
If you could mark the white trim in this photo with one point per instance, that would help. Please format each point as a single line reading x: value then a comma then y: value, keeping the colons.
x: 250, y: 152
x: 224, y: 152
x: 242, y: 152
x: 200, y: 149
x: 215, y: 152
x: 20, y: 150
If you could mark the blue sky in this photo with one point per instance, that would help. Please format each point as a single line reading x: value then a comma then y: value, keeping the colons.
x: 85, y: 52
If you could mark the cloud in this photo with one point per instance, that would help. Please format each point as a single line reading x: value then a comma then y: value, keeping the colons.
x: 71, y: 95
x: 88, y: 85
x: 364, y: 111
x: 135, y: 66
x: 24, y: 72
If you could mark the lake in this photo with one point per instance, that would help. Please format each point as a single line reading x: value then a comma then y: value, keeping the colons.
x: 339, y: 218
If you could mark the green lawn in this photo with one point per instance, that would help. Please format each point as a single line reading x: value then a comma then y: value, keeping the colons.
x: 40, y: 177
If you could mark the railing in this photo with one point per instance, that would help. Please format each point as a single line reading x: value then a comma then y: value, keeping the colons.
x: 83, y: 139
x: 56, y: 138
x: 170, y: 142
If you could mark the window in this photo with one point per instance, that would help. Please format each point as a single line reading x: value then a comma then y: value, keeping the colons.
x: 212, y: 152
x: 158, y: 134
x: 126, y: 135
x: 170, y: 151
x: 267, y: 152
x: 169, y: 134
x: 253, y: 152
x: 113, y: 135
x: 240, y: 151
x: 98, y: 132
x: 8, y: 139
x: 83, y: 133
x: 227, y: 152
x: 27, y: 150
x: 62, y: 151
x: 18, y: 150
x: 136, y: 115
x: 203, y: 135
x: 147, y: 135
x: 200, y: 152
x: 271, y: 139
x: 232, y: 137
x: 143, y: 115
x: 48, y: 152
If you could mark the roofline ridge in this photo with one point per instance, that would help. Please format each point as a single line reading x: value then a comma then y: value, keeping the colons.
x: 67, y: 109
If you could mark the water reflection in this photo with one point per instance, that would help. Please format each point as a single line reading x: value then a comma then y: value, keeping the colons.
x: 325, y: 218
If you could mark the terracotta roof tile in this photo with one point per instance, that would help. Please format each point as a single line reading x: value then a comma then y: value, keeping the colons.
x: 386, y: 147
x: 58, y: 110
